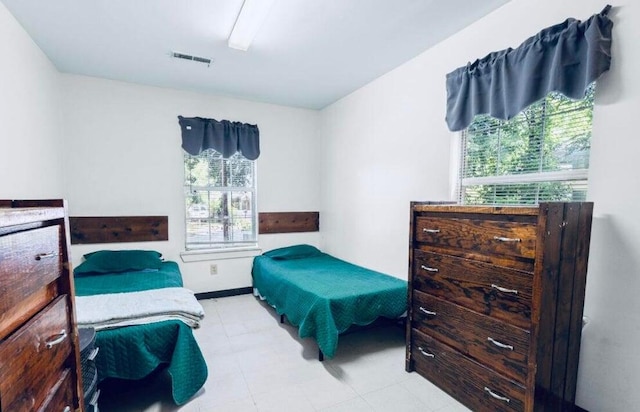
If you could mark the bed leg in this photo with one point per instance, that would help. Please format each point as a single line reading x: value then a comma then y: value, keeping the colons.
x: 282, y: 318
x: 320, y: 355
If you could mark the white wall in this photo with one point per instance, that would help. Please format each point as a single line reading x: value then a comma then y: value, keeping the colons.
x: 123, y: 157
x: 29, y: 122
x: 382, y: 146
x: 387, y: 144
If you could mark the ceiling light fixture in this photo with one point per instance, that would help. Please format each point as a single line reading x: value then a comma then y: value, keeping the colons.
x: 250, y: 19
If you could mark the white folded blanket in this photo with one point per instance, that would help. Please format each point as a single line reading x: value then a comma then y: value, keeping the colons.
x: 115, y: 310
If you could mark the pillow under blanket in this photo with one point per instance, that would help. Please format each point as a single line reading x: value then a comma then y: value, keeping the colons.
x: 114, y: 261
x: 293, y: 252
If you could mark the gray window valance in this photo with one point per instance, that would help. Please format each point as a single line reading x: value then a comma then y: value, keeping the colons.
x: 564, y: 58
x: 225, y: 137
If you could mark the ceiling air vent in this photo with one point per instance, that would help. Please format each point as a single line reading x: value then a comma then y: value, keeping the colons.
x: 184, y: 56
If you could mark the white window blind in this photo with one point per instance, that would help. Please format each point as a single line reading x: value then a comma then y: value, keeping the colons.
x: 220, y: 200
x: 542, y: 154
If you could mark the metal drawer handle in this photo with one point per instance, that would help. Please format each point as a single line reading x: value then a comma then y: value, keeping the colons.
x: 499, y: 344
x: 93, y: 354
x: 505, y: 290
x: 62, y: 336
x: 427, y: 354
x: 431, y: 230
x: 428, y: 269
x: 428, y: 312
x: 507, y: 239
x: 41, y: 256
x: 495, y: 395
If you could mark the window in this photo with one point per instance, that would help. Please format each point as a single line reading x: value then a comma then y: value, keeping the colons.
x: 540, y: 155
x: 220, y: 200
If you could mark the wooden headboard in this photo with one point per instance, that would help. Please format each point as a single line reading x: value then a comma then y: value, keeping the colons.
x: 288, y: 222
x: 116, y: 229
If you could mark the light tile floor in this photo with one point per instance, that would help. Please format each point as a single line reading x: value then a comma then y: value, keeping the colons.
x: 257, y: 364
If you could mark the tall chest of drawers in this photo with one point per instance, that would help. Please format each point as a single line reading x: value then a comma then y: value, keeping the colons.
x: 496, y: 301
x: 39, y: 356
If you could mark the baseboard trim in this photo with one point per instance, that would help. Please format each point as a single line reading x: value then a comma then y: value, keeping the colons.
x: 224, y: 293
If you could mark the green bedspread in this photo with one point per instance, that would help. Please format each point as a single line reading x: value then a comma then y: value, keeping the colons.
x: 133, y: 352
x: 167, y: 276
x: 323, y: 296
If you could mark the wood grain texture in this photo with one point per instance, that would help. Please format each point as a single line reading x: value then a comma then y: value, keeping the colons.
x: 546, y: 300
x: 512, y: 262
x: 469, y: 332
x: 443, y: 207
x: 117, y: 229
x: 486, y: 236
x: 288, y: 222
x: 61, y: 395
x: 464, y: 378
x: 28, y: 368
x: 414, y: 205
x: 536, y: 305
x: 30, y: 216
x: 29, y: 262
x: 584, y: 222
x: 469, y: 283
x: 39, y: 203
x: 566, y: 278
x: 36, y: 289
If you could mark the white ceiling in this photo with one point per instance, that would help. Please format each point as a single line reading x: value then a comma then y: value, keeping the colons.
x: 307, y: 53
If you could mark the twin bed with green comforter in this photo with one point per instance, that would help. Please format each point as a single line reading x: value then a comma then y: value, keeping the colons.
x: 134, y: 352
x: 322, y: 295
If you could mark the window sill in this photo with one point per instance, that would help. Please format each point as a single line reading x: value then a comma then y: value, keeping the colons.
x: 212, y: 254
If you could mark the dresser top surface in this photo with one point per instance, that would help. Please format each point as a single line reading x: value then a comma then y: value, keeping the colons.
x: 506, y: 210
x: 486, y: 209
x: 24, y: 215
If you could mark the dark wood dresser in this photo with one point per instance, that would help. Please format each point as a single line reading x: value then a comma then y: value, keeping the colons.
x: 496, y: 301
x: 39, y: 353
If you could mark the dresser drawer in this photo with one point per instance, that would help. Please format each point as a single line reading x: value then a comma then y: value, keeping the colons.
x: 60, y: 398
x: 476, y: 386
x: 29, y: 261
x: 502, y: 346
x: 495, y: 291
x: 478, y: 235
x: 32, y: 358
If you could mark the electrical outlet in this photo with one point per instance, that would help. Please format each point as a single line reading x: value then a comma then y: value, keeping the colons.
x: 213, y: 269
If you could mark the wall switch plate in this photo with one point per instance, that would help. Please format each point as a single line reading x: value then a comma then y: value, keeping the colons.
x: 213, y: 269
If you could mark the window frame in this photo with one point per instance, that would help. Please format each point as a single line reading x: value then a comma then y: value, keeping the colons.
x: 569, y: 176
x: 189, y: 189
